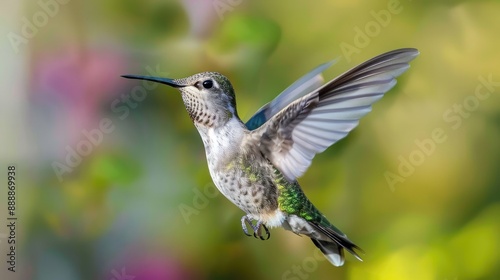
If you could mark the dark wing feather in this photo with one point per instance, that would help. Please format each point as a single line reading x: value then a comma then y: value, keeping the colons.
x: 312, y: 123
x: 306, y: 84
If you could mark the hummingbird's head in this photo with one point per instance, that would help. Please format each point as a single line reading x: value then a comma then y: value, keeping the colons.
x: 208, y: 97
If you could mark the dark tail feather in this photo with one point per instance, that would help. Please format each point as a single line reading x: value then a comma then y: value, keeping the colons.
x: 333, y: 252
x: 334, y: 249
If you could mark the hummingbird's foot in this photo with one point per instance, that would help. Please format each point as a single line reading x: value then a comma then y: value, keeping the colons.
x: 257, y: 232
x: 257, y: 228
x: 244, y: 221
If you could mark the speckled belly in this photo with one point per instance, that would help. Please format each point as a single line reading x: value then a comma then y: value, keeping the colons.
x: 248, y: 185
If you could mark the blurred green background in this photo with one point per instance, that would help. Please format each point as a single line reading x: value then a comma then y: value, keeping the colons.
x: 416, y: 185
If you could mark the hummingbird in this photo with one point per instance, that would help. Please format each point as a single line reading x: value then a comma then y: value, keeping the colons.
x: 256, y: 164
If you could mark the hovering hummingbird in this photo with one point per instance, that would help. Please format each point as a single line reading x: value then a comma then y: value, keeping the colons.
x: 256, y: 164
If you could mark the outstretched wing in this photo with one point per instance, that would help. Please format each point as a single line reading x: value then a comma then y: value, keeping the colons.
x: 309, y: 125
x: 306, y: 84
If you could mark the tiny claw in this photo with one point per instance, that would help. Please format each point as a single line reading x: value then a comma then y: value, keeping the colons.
x: 245, y: 231
x: 258, y: 234
x: 257, y: 228
x: 258, y: 231
x: 262, y: 238
x: 267, y: 232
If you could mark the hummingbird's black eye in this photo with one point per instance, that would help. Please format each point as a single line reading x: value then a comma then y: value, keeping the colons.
x: 208, y: 84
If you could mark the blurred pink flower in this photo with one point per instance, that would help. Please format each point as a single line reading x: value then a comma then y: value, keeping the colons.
x: 69, y: 87
x: 151, y: 266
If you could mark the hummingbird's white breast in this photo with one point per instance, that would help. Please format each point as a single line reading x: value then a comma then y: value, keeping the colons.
x: 240, y: 173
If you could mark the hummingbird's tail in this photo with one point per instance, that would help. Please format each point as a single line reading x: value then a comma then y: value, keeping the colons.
x: 334, y: 244
x: 333, y: 252
x: 302, y: 217
x: 330, y: 240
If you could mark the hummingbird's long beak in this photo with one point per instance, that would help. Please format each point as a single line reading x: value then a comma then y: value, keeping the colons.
x: 165, y: 81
